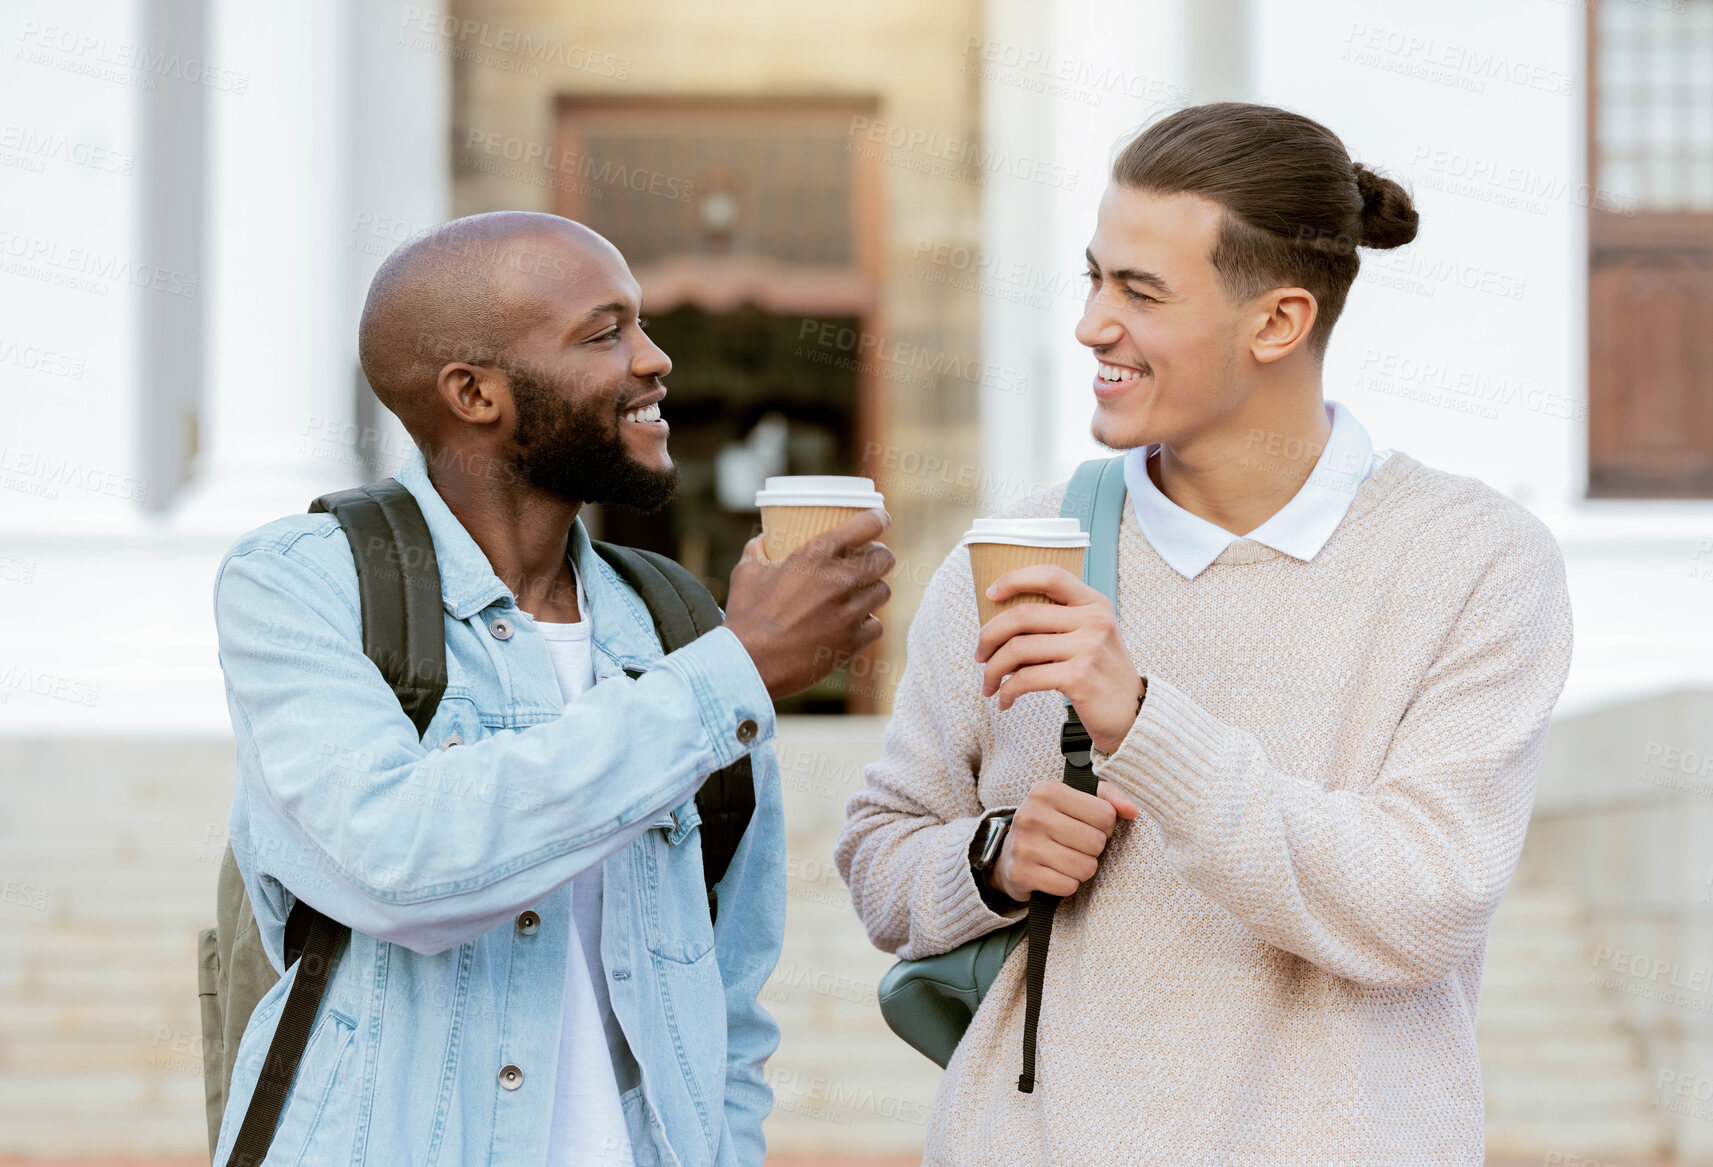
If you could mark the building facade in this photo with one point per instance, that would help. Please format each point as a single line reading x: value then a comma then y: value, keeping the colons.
x: 859, y: 234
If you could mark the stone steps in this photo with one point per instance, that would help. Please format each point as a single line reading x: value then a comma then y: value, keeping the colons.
x: 1562, y: 1073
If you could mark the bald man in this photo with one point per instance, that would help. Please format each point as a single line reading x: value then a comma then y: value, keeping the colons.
x: 533, y: 976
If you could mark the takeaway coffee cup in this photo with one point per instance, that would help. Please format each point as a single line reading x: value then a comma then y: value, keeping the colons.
x: 796, y: 508
x: 997, y: 546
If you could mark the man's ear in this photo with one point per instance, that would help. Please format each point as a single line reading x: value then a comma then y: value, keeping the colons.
x: 473, y: 393
x: 1288, y: 318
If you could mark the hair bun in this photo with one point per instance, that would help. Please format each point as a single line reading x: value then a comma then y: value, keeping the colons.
x: 1389, y: 216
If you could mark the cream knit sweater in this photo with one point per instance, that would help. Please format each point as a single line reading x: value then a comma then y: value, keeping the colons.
x: 1279, y: 961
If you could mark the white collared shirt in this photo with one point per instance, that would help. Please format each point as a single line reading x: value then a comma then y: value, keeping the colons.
x: 1299, y: 529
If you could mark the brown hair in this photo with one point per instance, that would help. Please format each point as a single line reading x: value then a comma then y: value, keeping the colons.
x: 1296, y: 207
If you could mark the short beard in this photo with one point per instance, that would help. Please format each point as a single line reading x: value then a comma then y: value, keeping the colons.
x: 577, y: 451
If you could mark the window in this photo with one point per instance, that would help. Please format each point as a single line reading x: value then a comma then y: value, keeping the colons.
x: 1650, y: 290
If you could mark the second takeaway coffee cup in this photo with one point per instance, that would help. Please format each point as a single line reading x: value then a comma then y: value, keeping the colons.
x: 796, y: 508
x: 997, y: 546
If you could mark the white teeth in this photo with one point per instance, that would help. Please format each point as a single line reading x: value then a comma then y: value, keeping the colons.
x: 1114, y: 373
x: 646, y: 413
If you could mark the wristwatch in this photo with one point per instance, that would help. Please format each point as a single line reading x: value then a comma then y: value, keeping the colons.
x: 989, y: 838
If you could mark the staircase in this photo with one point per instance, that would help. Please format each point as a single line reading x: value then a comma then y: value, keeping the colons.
x: 1564, y: 1075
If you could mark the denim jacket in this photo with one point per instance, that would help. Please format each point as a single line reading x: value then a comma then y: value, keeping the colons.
x: 449, y: 856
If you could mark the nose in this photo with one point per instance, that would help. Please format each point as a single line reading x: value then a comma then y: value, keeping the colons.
x: 1099, y: 327
x: 650, y: 360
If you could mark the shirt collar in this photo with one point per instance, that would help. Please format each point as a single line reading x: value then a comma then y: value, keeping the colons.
x: 468, y: 583
x: 467, y: 580
x: 1299, y: 529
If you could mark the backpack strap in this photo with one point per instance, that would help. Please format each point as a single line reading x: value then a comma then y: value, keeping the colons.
x: 682, y: 610
x: 1095, y: 498
x: 322, y: 938
x: 398, y: 581
x: 404, y: 634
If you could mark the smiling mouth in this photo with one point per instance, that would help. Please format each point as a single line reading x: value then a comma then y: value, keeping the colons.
x: 1118, y: 374
x: 643, y: 415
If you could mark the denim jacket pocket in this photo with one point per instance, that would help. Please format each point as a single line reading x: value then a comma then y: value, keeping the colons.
x: 670, y: 856
x: 313, y: 1089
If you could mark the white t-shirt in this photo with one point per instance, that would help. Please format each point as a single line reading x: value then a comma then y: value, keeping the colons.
x: 588, y: 1121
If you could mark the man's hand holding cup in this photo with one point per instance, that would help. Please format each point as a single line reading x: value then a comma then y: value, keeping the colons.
x: 1069, y: 644
x: 803, y: 596
x: 1044, y: 629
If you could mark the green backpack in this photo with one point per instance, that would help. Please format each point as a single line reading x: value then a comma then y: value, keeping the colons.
x: 930, y: 1002
x: 404, y: 633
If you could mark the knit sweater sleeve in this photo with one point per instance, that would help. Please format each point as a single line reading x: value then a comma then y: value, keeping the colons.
x: 1392, y: 884
x: 904, y: 850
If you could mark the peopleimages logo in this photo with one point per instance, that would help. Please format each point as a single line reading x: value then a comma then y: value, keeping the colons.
x: 893, y: 359
x: 48, y: 146
x: 107, y: 59
x: 977, y: 161
x: 44, y: 474
x: 37, y: 359
x: 85, y: 268
x: 534, y: 156
x: 466, y: 36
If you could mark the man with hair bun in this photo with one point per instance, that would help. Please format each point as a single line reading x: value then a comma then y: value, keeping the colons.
x: 1317, y: 713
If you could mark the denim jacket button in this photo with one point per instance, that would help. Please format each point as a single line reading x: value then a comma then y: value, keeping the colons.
x: 528, y: 924
x: 511, y: 1077
x: 451, y: 740
x: 747, y: 729
x: 500, y: 628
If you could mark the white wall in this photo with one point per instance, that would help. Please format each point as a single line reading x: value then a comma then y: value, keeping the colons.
x: 1466, y: 349
x: 1464, y: 101
x: 326, y: 130
x: 1066, y: 82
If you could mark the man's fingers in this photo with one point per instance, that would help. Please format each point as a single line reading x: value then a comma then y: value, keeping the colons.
x: 876, y: 560
x: 1021, y: 651
x: 853, y: 532
x: 1077, y: 835
x: 1023, y: 620
x: 872, y: 596
x: 1054, y: 883
x: 1053, y: 582
x: 1092, y: 809
x: 755, y: 551
x: 1043, y: 678
x: 1077, y: 865
x: 869, y: 632
x: 1119, y: 801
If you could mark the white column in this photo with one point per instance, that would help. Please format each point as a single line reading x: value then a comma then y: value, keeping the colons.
x: 1103, y: 67
x: 400, y: 110
x: 277, y: 329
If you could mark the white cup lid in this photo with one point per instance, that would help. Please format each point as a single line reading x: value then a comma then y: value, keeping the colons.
x: 819, y: 490
x: 1057, y: 531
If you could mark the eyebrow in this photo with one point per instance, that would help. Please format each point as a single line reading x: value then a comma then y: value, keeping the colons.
x: 610, y: 308
x: 1131, y: 275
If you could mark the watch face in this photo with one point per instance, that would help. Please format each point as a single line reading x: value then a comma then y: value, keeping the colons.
x: 991, y: 842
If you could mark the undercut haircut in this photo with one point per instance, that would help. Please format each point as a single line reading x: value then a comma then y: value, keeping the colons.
x: 1295, y: 206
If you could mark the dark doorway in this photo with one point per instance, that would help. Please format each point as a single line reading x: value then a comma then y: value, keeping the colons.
x: 747, y: 397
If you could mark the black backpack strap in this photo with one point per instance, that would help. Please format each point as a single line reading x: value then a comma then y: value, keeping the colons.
x: 1075, y: 744
x: 398, y: 581
x: 682, y: 610
x: 320, y: 943
x: 1095, y: 498
x: 404, y: 633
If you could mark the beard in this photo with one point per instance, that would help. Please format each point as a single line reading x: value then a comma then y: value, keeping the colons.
x: 577, y: 451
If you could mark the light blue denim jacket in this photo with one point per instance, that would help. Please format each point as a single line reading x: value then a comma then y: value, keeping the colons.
x: 432, y: 850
